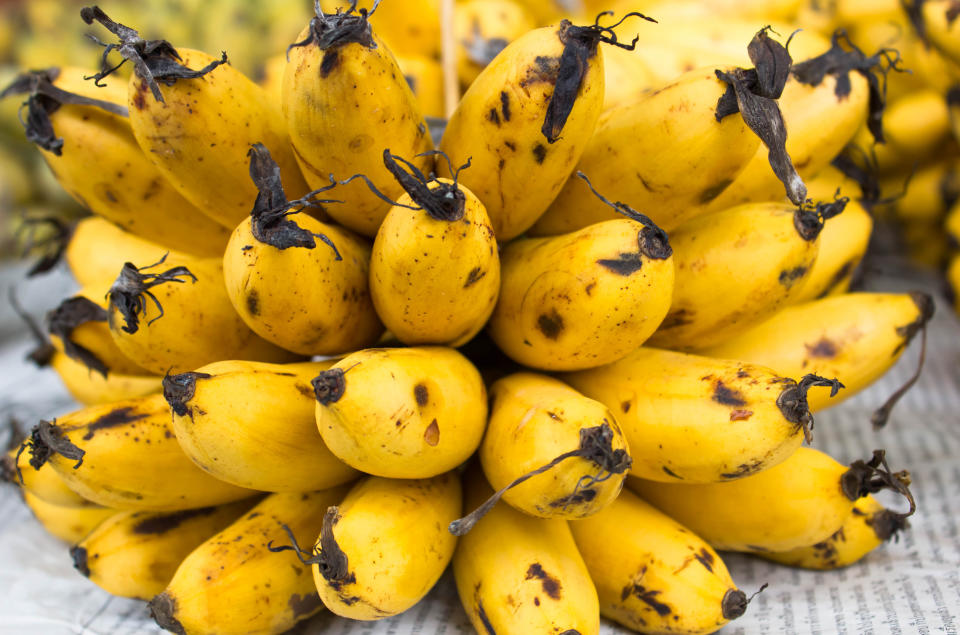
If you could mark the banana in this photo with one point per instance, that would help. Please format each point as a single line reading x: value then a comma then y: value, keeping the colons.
x: 652, y: 574
x: 385, y: 546
x: 402, y: 412
x: 797, y: 503
x: 91, y: 388
x: 343, y: 97
x: 68, y: 523
x: 855, y: 337
x: 929, y: 192
x: 586, y: 298
x: 233, y: 583
x: 952, y: 225
x: 519, y: 574
x: 95, y: 157
x: 626, y: 77
x: 174, y: 315
x: 98, y: 249
x: 953, y: 102
x: 953, y: 280
x: 526, y: 119
x: 135, y: 554
x: 288, y: 288
x: 411, y: 27
x: 44, y: 484
x: 867, y: 527
x: 482, y: 29
x: 124, y: 455
x: 712, y: 420
x: 831, y: 182
x: 272, y: 81
x: 424, y: 75
x: 939, y: 18
x: 273, y: 443
x: 435, y: 266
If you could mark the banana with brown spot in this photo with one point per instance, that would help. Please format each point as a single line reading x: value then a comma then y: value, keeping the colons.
x: 69, y: 523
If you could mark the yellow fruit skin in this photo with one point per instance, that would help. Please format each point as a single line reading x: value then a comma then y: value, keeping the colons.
x: 272, y: 82
x: 199, y: 137
x: 652, y: 574
x: 498, y: 126
x: 132, y: 460
x: 394, y: 536
x: 953, y: 278
x: 915, y: 125
x: 713, y: 420
x: 952, y: 225
x: 519, y: 574
x: 68, y: 523
x: 627, y: 77
x: 480, y: 23
x: 664, y: 154
x: 734, y: 269
x: 273, y: 443
x: 411, y: 27
x: 199, y: 324
x: 582, y: 299
x: 425, y: 77
x: 303, y: 300
x: 435, y: 281
x: 44, y: 484
x: 796, y: 503
x: 124, y: 186
x: 233, y: 584
x: 341, y: 119
x: 942, y: 31
x: 533, y: 420
x: 855, y: 337
x: 925, y: 196
x: 405, y: 412
x: 91, y: 388
x: 135, y: 554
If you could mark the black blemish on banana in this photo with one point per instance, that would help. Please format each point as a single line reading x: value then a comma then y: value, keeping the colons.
x: 113, y: 419
x: 156, y: 524
x: 128, y: 294
x: 70, y: 314
x: 179, y: 389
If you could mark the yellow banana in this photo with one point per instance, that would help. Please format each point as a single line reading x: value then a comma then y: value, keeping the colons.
x: 288, y: 288
x: 652, y: 574
x: 519, y: 574
x: 867, y: 527
x: 952, y: 225
x: 125, y: 188
x: 198, y: 126
x: 402, y: 412
x: 273, y: 444
x: 44, y: 484
x: 797, y: 503
x: 586, y: 298
x: 928, y: 193
x: 626, y: 77
x: 344, y: 97
x: 385, y: 546
x: 272, y: 81
x: 425, y: 78
x: 91, y: 388
x: 411, y: 27
x: 832, y: 182
x: 124, y: 455
x: 855, y: 337
x: 953, y: 279
x: 482, y: 29
x: 940, y: 25
x: 174, y: 315
x: 435, y: 267
x: 234, y: 584
x: 68, y: 523
x: 135, y: 554
x: 713, y: 420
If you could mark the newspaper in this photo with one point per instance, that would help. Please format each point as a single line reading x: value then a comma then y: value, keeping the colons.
x: 909, y: 586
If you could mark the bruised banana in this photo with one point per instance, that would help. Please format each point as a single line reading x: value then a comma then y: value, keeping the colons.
x: 67, y: 522
x: 586, y: 298
x: 652, y: 574
x: 91, y: 388
x: 98, y: 249
x: 749, y: 417
x: 527, y: 119
x: 273, y: 444
x: 482, y: 29
x: 343, y: 97
x: 435, y: 265
x: 295, y: 281
x: 135, y: 554
x: 174, y: 315
x: 855, y: 337
x: 402, y: 412
x: 195, y: 116
x: 519, y: 574
x: 797, y: 503
x: 44, y: 484
x: 233, y: 583
x: 124, y: 455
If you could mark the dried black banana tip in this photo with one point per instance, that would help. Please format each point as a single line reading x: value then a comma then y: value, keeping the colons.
x: 887, y: 524
x: 179, y: 389
x: 162, y: 610
x: 269, y: 222
x: 867, y: 175
x: 792, y: 401
x: 333, y: 30
x: 870, y: 477
x: 53, y: 245
x: 70, y: 314
x: 734, y: 604
x: 44, y: 351
x: 443, y: 201
x: 329, y: 386
x: 128, y: 294
x: 153, y: 60
x: 44, y: 441
x: 331, y: 559
x: 810, y: 217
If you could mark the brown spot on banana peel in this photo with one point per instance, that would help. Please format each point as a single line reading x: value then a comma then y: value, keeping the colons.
x: 421, y: 395
x: 623, y: 264
x: 304, y: 605
x: 474, y: 276
x: 431, y: 436
x: 155, y: 524
x: 551, y: 585
x: 578, y: 498
x: 710, y: 193
x: 824, y: 348
x: 505, y: 105
x: 744, y: 469
x: 112, y: 419
x: 493, y: 117
x: 70, y: 314
x: 179, y: 389
x: 647, y: 596
x: 163, y: 608
x: 789, y: 277
x: 331, y: 59
x: 539, y: 153
x: 482, y: 616
x: 253, y: 302
x: 550, y: 324
x: 727, y: 396
x: 670, y: 472
x: 740, y: 415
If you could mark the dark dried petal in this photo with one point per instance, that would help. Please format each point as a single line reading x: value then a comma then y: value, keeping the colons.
x: 70, y: 314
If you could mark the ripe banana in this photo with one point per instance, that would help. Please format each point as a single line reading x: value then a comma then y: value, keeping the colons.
x: 928, y: 193
x: 343, y: 97
x: 435, y: 267
x: 273, y: 444
x: 233, y: 583
x: 91, y: 388
x: 748, y: 417
x: 855, y: 337
x: 953, y: 279
x: 385, y: 546
x: 135, y: 554
x: 290, y: 289
x: 272, y: 81
x: 519, y: 574
x: 68, y: 523
x: 940, y: 27
x: 197, y: 127
x: 124, y: 455
x: 797, y: 503
x: 98, y: 249
x: 424, y: 75
x: 44, y: 484
x: 653, y: 575
x: 402, y: 412
x: 626, y: 77
x: 483, y: 28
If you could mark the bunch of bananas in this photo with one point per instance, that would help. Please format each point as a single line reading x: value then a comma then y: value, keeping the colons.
x: 506, y: 341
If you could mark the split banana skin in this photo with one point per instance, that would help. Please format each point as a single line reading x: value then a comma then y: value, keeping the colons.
x: 595, y: 281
